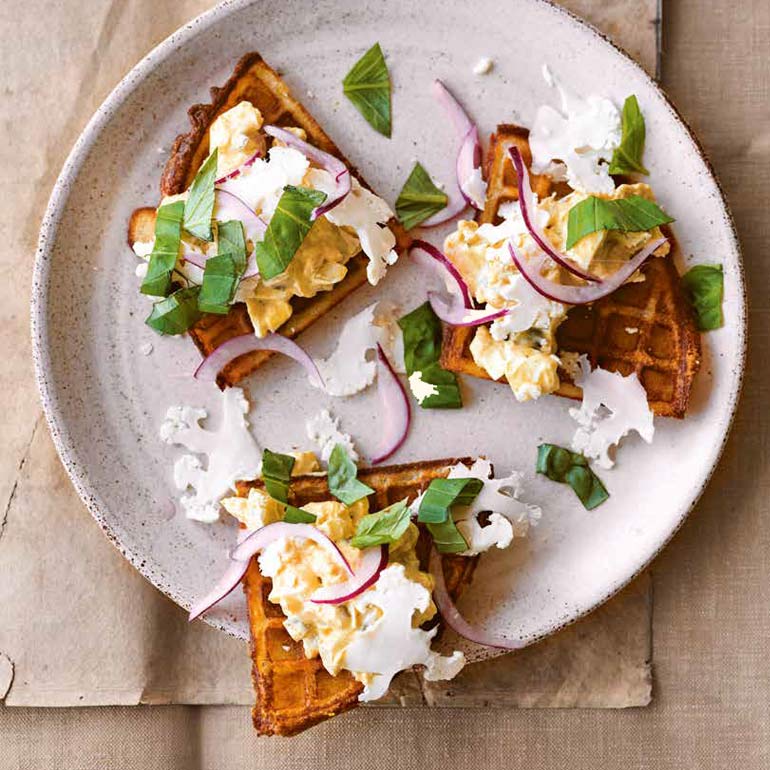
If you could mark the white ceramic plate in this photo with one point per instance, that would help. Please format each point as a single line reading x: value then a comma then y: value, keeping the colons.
x: 105, y: 400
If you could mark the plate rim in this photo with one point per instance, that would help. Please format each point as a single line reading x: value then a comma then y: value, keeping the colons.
x: 52, y: 217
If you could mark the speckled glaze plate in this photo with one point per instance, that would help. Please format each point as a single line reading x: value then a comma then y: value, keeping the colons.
x: 105, y: 399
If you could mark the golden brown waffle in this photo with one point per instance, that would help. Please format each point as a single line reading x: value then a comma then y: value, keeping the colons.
x: 664, y: 352
x: 295, y: 692
x: 254, y: 81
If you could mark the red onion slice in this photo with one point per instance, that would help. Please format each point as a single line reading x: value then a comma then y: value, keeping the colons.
x: 580, y: 295
x: 455, y: 620
x: 323, y: 159
x: 228, y: 206
x: 427, y: 254
x: 373, y: 561
x: 238, y: 171
x: 395, y: 405
x: 224, y: 586
x: 459, y: 117
x: 210, y: 367
x: 468, y: 163
x: 456, y: 314
x: 262, y: 537
x: 528, y: 204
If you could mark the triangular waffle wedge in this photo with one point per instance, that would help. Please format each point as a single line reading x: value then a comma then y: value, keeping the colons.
x: 294, y: 692
x: 664, y: 350
x: 254, y: 81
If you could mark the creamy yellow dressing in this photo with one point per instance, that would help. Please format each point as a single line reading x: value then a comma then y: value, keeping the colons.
x: 522, y: 347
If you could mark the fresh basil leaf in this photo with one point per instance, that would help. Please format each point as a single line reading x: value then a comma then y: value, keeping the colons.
x: 199, y: 207
x: 446, y: 537
x: 571, y: 468
x: 704, y: 285
x: 288, y: 227
x: 627, y: 158
x: 442, y: 494
x: 220, y: 280
x: 168, y: 232
x: 231, y: 240
x: 419, y: 198
x: 384, y: 527
x: 341, y: 474
x: 276, y: 473
x: 297, y: 515
x: 367, y: 86
x: 422, y: 334
x: 176, y: 313
x: 634, y: 214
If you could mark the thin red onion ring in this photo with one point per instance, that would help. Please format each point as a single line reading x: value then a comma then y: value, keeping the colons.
x: 456, y: 314
x: 468, y: 161
x: 232, y: 576
x: 395, y: 405
x: 455, y: 620
x: 228, y: 206
x: 330, y: 163
x: 373, y: 561
x: 459, y: 117
x: 580, y: 295
x: 238, y: 171
x: 429, y: 255
x: 262, y: 537
x: 209, y: 368
x: 527, y: 203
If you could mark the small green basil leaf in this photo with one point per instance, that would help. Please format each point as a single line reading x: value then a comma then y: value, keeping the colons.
x: 231, y: 240
x: 176, y: 313
x: 384, y: 527
x: 634, y: 214
x: 220, y: 280
x: 704, y: 285
x: 446, y: 537
x: 627, y: 158
x: 297, y: 515
x: 288, y: 227
x: 276, y: 473
x: 419, y: 198
x: 442, y: 494
x: 168, y: 232
x: 367, y: 86
x: 199, y: 207
x: 566, y: 467
x: 422, y: 334
x: 341, y: 475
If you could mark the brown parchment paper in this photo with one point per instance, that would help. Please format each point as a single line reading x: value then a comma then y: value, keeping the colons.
x: 77, y: 625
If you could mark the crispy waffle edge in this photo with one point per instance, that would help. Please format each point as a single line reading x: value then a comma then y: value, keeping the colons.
x: 188, y: 152
x: 458, y: 572
x: 456, y: 355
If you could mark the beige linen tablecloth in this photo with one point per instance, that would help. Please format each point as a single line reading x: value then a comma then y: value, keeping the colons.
x: 711, y: 585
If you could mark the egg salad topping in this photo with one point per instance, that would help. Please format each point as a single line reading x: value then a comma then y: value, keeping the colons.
x: 521, y: 346
x: 374, y: 635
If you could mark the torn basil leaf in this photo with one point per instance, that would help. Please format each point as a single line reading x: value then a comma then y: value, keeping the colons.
x: 634, y: 214
x: 295, y: 515
x: 419, y: 198
x: 367, y: 86
x: 422, y: 334
x: 384, y: 527
x: 176, y: 313
x: 199, y: 206
x: 276, y: 473
x: 231, y: 240
x: 571, y: 468
x: 627, y: 158
x: 288, y: 227
x: 165, y: 250
x: 704, y: 285
x: 341, y: 475
x: 220, y: 280
x: 446, y: 537
x: 442, y: 494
